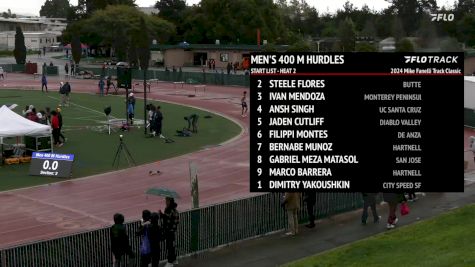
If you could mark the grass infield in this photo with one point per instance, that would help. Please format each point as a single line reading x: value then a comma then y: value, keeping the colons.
x: 446, y: 240
x: 94, y: 150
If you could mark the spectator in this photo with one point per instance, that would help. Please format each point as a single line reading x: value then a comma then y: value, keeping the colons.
x: 158, y: 122
x: 67, y: 92
x: 131, y: 107
x: 73, y: 71
x: 155, y: 237
x: 170, y: 225
x: 109, y: 83
x: 369, y: 200
x: 310, y: 199
x: 51, y: 64
x: 60, y: 121
x: 56, y: 130
x: 44, y: 83
x: 61, y: 92
x: 229, y: 67
x: 26, y: 110
x: 32, y: 115
x: 66, y: 68
x: 392, y: 199
x: 243, y: 105
x: 292, y: 206
x: 101, y: 87
x: 143, y: 232
x: 48, y: 115
x: 42, y: 117
x: 119, y: 240
x: 2, y: 74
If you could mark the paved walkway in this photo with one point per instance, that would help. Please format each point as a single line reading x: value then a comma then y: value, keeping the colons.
x: 76, y: 205
x: 277, y: 249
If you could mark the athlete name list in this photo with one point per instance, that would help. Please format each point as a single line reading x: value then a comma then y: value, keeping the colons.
x: 351, y: 122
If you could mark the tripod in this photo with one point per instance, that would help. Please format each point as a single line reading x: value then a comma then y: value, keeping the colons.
x: 123, y: 149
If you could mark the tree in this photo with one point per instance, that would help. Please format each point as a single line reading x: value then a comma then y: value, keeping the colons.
x: 8, y: 14
x: 171, y: 10
x: 347, y: 35
x: 365, y: 47
x: 20, y: 49
x: 301, y: 46
x: 397, y: 30
x: 450, y: 45
x: 86, y: 8
x: 55, y: 9
x: 404, y: 45
x: 115, y: 26
x: 410, y: 11
x: 427, y: 33
x: 76, y: 49
x: 466, y: 29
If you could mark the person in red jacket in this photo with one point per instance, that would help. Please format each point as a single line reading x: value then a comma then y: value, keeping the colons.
x: 56, y: 129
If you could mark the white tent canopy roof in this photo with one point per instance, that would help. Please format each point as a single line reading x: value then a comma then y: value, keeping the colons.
x: 12, y: 124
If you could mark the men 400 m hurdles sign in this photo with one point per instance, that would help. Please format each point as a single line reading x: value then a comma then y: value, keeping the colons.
x: 51, y: 164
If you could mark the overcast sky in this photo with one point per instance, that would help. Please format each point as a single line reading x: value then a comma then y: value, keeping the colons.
x: 323, y: 6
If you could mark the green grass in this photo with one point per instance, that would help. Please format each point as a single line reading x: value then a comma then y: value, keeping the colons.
x: 447, y: 240
x: 94, y: 151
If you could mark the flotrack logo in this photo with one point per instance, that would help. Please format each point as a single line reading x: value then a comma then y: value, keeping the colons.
x: 442, y: 17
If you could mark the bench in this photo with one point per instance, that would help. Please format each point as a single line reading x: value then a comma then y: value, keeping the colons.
x: 175, y: 83
x: 200, y: 86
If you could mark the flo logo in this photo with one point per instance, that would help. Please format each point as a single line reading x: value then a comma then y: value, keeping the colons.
x: 442, y: 17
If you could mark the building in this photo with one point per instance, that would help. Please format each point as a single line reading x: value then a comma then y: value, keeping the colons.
x: 189, y: 55
x: 33, y: 40
x: 39, y: 32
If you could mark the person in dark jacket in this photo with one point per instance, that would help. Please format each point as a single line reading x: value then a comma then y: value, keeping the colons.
x: 155, y: 237
x: 393, y: 199
x: 170, y: 220
x: 60, y: 120
x: 369, y: 200
x: 310, y: 198
x: 158, y: 122
x: 192, y: 123
x: 131, y: 107
x: 44, y: 83
x: 119, y: 240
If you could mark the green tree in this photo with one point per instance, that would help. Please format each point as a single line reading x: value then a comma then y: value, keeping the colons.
x: 116, y: 25
x: 404, y: 45
x: 20, y: 49
x: 235, y: 22
x: 450, y: 45
x: 55, y: 9
x: 466, y: 29
x: 397, y: 29
x: 365, y: 47
x: 174, y: 11
x: 427, y: 33
x: 301, y: 46
x: 347, y: 35
x: 410, y: 11
x: 86, y: 8
x: 76, y: 49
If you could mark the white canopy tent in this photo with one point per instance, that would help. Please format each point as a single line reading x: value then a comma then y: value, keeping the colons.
x: 13, y: 125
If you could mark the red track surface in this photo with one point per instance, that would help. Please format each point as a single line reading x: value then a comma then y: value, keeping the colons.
x: 52, y: 210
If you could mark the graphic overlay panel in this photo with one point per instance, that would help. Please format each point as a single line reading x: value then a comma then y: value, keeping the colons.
x: 51, y: 164
x: 355, y: 122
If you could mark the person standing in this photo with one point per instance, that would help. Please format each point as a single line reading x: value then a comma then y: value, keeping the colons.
x: 61, y: 92
x: 101, y: 87
x: 392, y: 199
x: 109, y: 83
x: 229, y: 67
x: 66, y: 68
x: 192, y: 123
x: 144, y: 233
x: 369, y: 200
x: 2, y: 73
x: 60, y: 121
x: 155, y: 237
x: 310, y: 199
x: 44, y: 83
x: 67, y: 92
x: 131, y: 107
x: 119, y: 240
x: 291, y: 204
x: 170, y: 226
x: 73, y: 70
x: 158, y: 122
x: 243, y: 104
x: 56, y: 130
